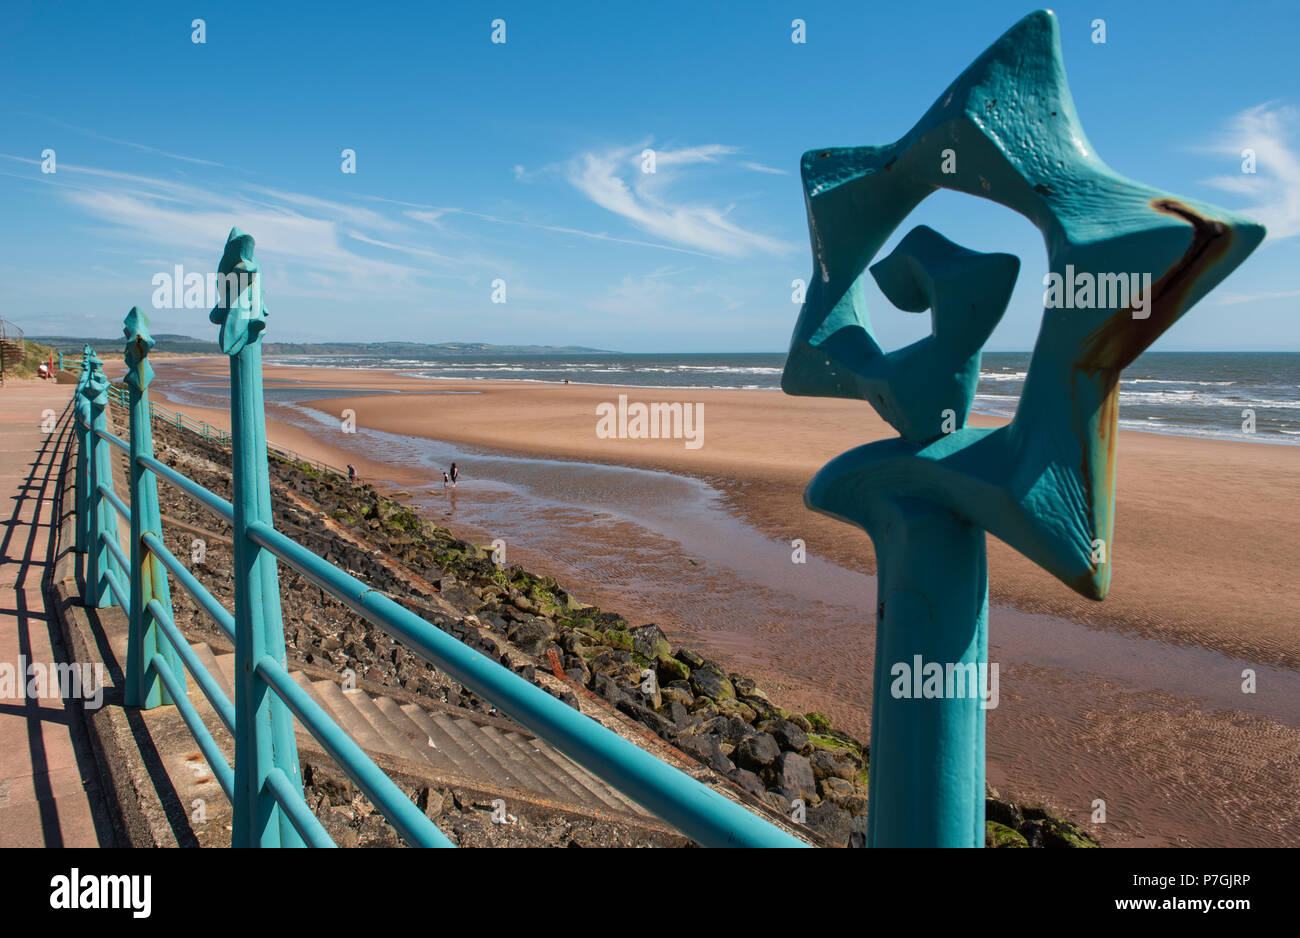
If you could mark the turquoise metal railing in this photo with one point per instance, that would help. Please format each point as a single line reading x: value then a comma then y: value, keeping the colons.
x: 264, y: 784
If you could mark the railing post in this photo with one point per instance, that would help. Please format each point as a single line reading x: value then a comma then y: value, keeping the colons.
x: 263, y: 725
x: 100, y: 511
x: 144, y: 688
x: 81, y: 423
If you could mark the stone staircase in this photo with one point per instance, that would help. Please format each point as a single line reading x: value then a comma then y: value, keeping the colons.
x: 447, y: 742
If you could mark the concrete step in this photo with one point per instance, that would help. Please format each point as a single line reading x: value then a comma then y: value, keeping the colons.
x: 466, y: 735
x: 596, y: 791
x: 460, y: 745
x: 395, y: 742
x: 444, y: 743
x: 540, y: 766
x: 610, y: 795
x: 531, y: 775
x: 225, y: 673
x: 303, y: 681
x: 417, y: 737
x: 347, y: 716
x: 209, y: 661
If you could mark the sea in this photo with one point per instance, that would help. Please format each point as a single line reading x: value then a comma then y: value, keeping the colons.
x: 1250, y: 396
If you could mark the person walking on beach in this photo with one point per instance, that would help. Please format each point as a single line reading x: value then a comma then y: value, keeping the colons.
x: 455, y: 474
x: 445, y: 479
x: 352, y: 474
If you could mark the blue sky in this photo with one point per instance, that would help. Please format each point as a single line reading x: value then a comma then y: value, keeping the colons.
x: 521, y: 161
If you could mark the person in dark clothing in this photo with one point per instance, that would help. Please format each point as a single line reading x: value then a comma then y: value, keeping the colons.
x: 455, y: 474
x: 352, y: 474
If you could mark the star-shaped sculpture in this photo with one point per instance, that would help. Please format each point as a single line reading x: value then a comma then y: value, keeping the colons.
x: 1005, y: 130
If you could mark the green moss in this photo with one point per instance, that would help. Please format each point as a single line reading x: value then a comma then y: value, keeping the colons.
x: 617, y: 639
x: 1060, y: 833
x: 999, y: 835
x: 820, y: 721
x: 671, y: 669
x: 822, y: 741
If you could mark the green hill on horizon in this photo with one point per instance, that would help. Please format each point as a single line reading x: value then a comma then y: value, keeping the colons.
x: 188, y: 345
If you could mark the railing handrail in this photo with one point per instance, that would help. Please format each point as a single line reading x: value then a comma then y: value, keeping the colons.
x: 709, y: 818
x: 158, y: 656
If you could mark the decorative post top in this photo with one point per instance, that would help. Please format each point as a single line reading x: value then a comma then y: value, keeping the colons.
x: 138, y: 343
x: 96, y: 387
x: 1005, y: 130
x: 239, y: 310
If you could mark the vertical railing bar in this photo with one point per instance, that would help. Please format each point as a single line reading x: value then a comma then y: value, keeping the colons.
x: 300, y: 816
x: 144, y: 689
x: 263, y: 724
x: 102, y: 517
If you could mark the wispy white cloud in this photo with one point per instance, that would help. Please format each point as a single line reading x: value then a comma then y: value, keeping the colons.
x: 337, y: 210
x: 128, y: 143
x: 1274, y: 187
x: 433, y: 216
x: 614, y: 180
x: 312, y: 239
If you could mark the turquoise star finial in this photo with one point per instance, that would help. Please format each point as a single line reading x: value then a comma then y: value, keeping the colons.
x: 1006, y: 130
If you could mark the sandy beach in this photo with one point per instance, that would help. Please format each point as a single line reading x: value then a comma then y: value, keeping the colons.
x: 1135, y: 699
x: 1205, y: 547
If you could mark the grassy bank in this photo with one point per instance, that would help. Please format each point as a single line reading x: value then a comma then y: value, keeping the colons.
x: 33, y: 355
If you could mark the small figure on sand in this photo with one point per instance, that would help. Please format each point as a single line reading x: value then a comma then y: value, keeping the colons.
x: 352, y: 473
x: 445, y: 478
x: 455, y: 474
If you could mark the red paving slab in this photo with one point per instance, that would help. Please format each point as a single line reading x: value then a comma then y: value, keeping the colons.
x: 44, y: 768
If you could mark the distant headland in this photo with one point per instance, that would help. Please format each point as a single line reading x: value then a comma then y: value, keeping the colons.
x: 187, y: 345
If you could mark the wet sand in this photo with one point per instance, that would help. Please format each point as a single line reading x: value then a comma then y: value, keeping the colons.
x: 1136, y: 700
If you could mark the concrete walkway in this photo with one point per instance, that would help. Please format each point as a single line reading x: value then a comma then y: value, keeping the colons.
x: 48, y: 783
